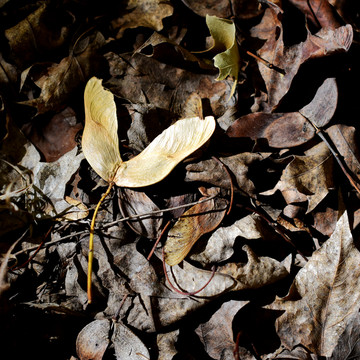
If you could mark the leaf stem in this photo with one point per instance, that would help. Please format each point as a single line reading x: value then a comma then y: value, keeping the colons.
x: 91, y: 243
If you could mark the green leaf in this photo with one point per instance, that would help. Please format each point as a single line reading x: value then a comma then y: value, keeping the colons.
x: 228, y: 60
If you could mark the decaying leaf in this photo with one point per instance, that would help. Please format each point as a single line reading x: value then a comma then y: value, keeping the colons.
x: 220, y: 245
x: 133, y: 202
x: 307, y: 178
x: 96, y: 337
x: 289, y: 59
x: 217, y: 334
x: 257, y: 272
x: 324, y: 295
x: 143, y: 13
x: 195, y: 222
x: 63, y: 79
x: 100, y: 142
x: 223, y: 32
x: 56, y: 137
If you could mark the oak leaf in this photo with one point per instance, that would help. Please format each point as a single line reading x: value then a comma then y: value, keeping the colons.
x: 324, y: 295
x: 101, y: 145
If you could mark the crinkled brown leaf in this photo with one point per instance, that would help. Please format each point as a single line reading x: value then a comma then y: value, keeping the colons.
x: 93, y: 340
x: 324, y: 295
x: 243, y: 9
x: 257, y: 272
x: 56, y: 137
x: 319, y: 12
x: 217, y: 333
x: 307, y: 178
x: 143, y: 13
x: 289, y: 59
x: 212, y: 172
x: 44, y: 30
x: 133, y: 202
x: 145, y: 80
x: 345, y: 139
x: 61, y: 80
x: 195, y: 222
x: 220, y: 246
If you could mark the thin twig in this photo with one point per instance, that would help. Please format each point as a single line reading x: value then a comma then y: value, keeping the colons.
x: 34, y: 254
x: 231, y: 183
x: 158, y: 239
x: 132, y: 217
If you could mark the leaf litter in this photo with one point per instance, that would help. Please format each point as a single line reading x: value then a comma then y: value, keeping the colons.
x: 232, y: 227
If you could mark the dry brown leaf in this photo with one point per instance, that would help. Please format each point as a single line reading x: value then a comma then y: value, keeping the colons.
x: 217, y: 333
x: 289, y: 59
x: 133, y: 202
x: 257, y: 272
x: 324, y: 296
x: 61, y: 80
x: 345, y: 140
x: 212, y: 172
x: 220, y: 245
x: 280, y: 130
x: 319, y: 12
x: 155, y: 162
x: 307, y: 178
x: 145, y: 80
x: 55, y: 137
x: 46, y: 29
x: 148, y: 13
x: 195, y: 222
x: 94, y: 339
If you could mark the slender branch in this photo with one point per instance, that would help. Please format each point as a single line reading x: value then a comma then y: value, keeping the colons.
x: 158, y: 239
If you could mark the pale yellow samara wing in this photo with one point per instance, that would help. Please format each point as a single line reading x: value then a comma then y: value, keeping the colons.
x: 100, y: 141
x: 101, y: 145
x: 169, y: 148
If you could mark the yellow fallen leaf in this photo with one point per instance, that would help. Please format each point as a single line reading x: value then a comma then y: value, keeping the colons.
x: 101, y: 145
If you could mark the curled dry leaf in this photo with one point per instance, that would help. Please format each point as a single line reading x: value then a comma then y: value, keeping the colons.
x: 257, y: 272
x: 227, y: 61
x: 195, y: 222
x: 320, y: 12
x: 212, y: 172
x: 324, y: 295
x: 155, y: 162
x: 307, y: 178
x: 294, y: 127
x: 143, y: 13
x: 56, y: 137
x: 289, y: 59
x: 133, y: 202
x: 217, y: 334
x: 345, y: 140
